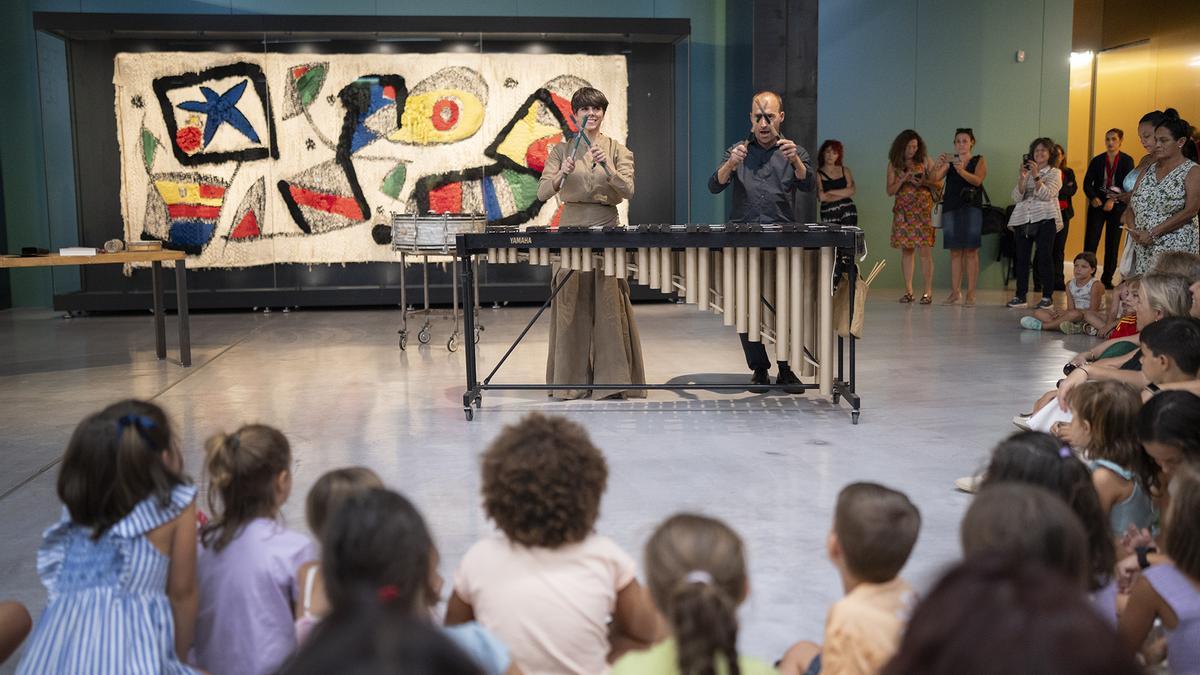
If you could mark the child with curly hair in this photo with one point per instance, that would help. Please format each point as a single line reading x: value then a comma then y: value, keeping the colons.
x: 547, y: 584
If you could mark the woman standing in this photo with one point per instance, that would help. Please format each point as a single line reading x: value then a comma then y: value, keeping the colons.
x: 962, y: 213
x: 911, y: 181
x: 1036, y: 220
x: 1167, y: 196
x: 593, y: 337
x: 836, y: 186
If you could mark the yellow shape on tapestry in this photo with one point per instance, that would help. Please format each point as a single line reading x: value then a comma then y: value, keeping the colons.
x: 181, y: 192
x: 527, y: 130
x: 442, y: 116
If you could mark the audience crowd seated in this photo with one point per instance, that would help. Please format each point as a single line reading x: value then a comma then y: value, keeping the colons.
x: 1068, y: 563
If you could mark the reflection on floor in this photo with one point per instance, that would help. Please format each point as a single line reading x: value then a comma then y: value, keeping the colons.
x: 938, y: 384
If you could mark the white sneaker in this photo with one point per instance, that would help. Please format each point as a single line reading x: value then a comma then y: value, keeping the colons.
x: 968, y: 484
x: 1022, y: 422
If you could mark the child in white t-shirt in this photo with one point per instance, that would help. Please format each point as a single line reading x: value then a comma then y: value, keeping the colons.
x: 548, y: 585
x: 1085, y: 295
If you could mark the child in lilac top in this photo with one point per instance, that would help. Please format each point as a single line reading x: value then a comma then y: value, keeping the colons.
x: 247, y: 561
x: 1171, y: 591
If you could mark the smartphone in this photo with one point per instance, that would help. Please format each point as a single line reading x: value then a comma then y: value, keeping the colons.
x: 1115, y: 189
x: 1025, y: 159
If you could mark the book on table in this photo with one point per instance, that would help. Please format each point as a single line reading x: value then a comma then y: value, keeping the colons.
x: 76, y: 251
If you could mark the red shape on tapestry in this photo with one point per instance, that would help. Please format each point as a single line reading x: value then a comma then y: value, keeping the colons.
x: 564, y: 107
x: 248, y: 228
x: 335, y: 204
x: 446, y: 199
x: 389, y: 92
x: 188, y: 139
x: 554, y: 220
x: 539, y: 150
x: 192, y: 211
x: 445, y: 114
x: 299, y: 71
x: 210, y: 191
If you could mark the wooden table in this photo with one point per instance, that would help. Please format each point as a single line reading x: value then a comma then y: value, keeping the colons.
x: 155, y: 258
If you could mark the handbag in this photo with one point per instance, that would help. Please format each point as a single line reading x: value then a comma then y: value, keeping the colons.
x: 994, y: 218
x: 846, y: 325
x: 935, y: 217
x: 1030, y: 230
x: 1125, y: 267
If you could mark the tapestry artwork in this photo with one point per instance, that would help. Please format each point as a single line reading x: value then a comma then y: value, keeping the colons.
x: 252, y: 159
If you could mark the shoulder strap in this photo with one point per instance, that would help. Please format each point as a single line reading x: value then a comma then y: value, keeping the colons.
x: 1114, y: 467
x: 310, y: 579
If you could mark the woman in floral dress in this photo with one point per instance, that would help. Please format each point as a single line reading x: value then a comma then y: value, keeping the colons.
x: 1167, y: 196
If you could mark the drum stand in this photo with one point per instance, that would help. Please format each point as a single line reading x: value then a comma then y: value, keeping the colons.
x: 424, y: 335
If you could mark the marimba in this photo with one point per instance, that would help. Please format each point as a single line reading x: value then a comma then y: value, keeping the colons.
x: 735, y: 270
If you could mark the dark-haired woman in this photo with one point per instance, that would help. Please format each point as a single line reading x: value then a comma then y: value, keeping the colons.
x: 911, y: 180
x: 1036, y: 220
x: 836, y: 187
x: 962, y: 213
x: 593, y: 337
x: 1166, y: 198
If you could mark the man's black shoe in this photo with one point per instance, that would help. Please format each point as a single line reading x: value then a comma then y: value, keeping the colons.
x: 787, y: 377
x: 761, y: 377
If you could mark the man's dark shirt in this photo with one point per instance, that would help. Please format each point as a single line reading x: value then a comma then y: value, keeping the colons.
x: 763, y: 185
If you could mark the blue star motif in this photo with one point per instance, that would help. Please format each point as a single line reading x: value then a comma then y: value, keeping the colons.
x: 222, y: 109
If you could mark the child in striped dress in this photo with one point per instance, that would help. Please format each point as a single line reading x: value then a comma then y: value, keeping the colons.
x: 120, y: 565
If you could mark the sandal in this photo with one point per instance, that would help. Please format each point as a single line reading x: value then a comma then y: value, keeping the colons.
x: 970, y: 301
x: 908, y: 297
x: 926, y: 299
x: 952, y: 299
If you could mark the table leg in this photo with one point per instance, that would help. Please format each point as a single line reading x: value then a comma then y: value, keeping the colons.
x: 160, y: 313
x: 181, y: 304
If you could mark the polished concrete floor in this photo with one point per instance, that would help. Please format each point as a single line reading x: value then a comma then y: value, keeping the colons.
x: 939, y: 385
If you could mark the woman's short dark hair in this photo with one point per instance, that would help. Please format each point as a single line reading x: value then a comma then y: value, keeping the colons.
x: 1120, y: 134
x: 375, y: 640
x: 543, y: 480
x: 896, y: 153
x: 1046, y: 143
x: 589, y: 97
x: 1026, y: 522
x: 991, y: 614
x: 834, y: 145
x: 1178, y: 128
x: 1172, y: 418
x: 377, y: 548
x: 1035, y: 458
x: 968, y: 131
x: 114, y: 460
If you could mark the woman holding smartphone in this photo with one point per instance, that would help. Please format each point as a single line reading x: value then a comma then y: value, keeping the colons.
x: 911, y: 180
x: 962, y: 213
x: 1036, y: 220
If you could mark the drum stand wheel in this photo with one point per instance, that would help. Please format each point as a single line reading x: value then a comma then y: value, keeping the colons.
x: 424, y: 336
x: 452, y: 343
x: 403, y: 339
x: 468, y: 401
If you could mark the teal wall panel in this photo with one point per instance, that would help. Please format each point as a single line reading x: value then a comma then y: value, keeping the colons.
x: 59, y: 157
x: 21, y: 151
x: 156, y: 6
x: 935, y: 65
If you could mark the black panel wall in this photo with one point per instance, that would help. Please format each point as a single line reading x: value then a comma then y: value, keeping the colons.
x: 5, y: 287
x: 651, y: 137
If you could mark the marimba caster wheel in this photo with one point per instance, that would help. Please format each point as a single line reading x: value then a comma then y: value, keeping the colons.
x: 403, y: 341
x: 836, y: 398
x: 478, y: 401
x: 452, y: 343
x: 477, y: 332
x: 469, y: 413
x: 424, y: 336
x: 854, y: 417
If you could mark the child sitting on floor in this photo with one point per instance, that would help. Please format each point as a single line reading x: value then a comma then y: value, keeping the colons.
x: 548, y: 585
x: 1170, y: 591
x: 1085, y: 295
x: 120, y: 565
x: 1171, y: 351
x: 696, y: 571
x: 1103, y: 427
x: 324, y: 499
x: 248, y: 559
x: 874, y: 531
x: 1122, y: 315
x: 377, y: 551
